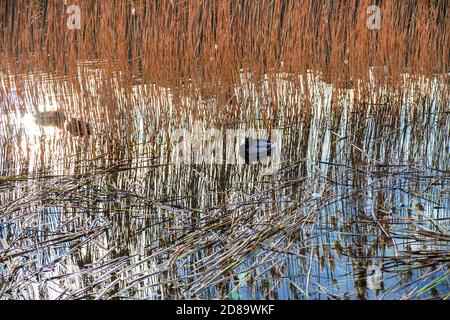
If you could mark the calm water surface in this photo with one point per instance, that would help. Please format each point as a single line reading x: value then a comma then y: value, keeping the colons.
x: 356, y: 207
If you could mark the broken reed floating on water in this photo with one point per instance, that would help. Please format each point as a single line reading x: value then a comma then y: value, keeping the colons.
x: 169, y: 42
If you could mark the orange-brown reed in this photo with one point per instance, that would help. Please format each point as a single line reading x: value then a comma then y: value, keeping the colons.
x: 202, y: 47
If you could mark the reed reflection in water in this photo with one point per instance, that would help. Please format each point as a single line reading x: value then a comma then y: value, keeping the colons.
x: 357, y: 208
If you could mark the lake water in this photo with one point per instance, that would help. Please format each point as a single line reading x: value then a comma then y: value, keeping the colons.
x: 354, y: 202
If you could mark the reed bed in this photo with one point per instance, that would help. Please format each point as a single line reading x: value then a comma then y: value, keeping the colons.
x: 104, y: 237
x: 201, y: 49
x: 171, y: 42
x: 93, y: 205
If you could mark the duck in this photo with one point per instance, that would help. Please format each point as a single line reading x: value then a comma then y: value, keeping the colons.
x: 253, y: 150
x: 50, y: 118
x: 78, y: 127
x: 75, y: 126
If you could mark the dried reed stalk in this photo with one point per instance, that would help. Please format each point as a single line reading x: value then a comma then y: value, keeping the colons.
x: 179, y: 43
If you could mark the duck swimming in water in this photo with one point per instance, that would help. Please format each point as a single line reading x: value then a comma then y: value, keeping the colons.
x: 74, y: 126
x: 79, y: 127
x: 256, y: 150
